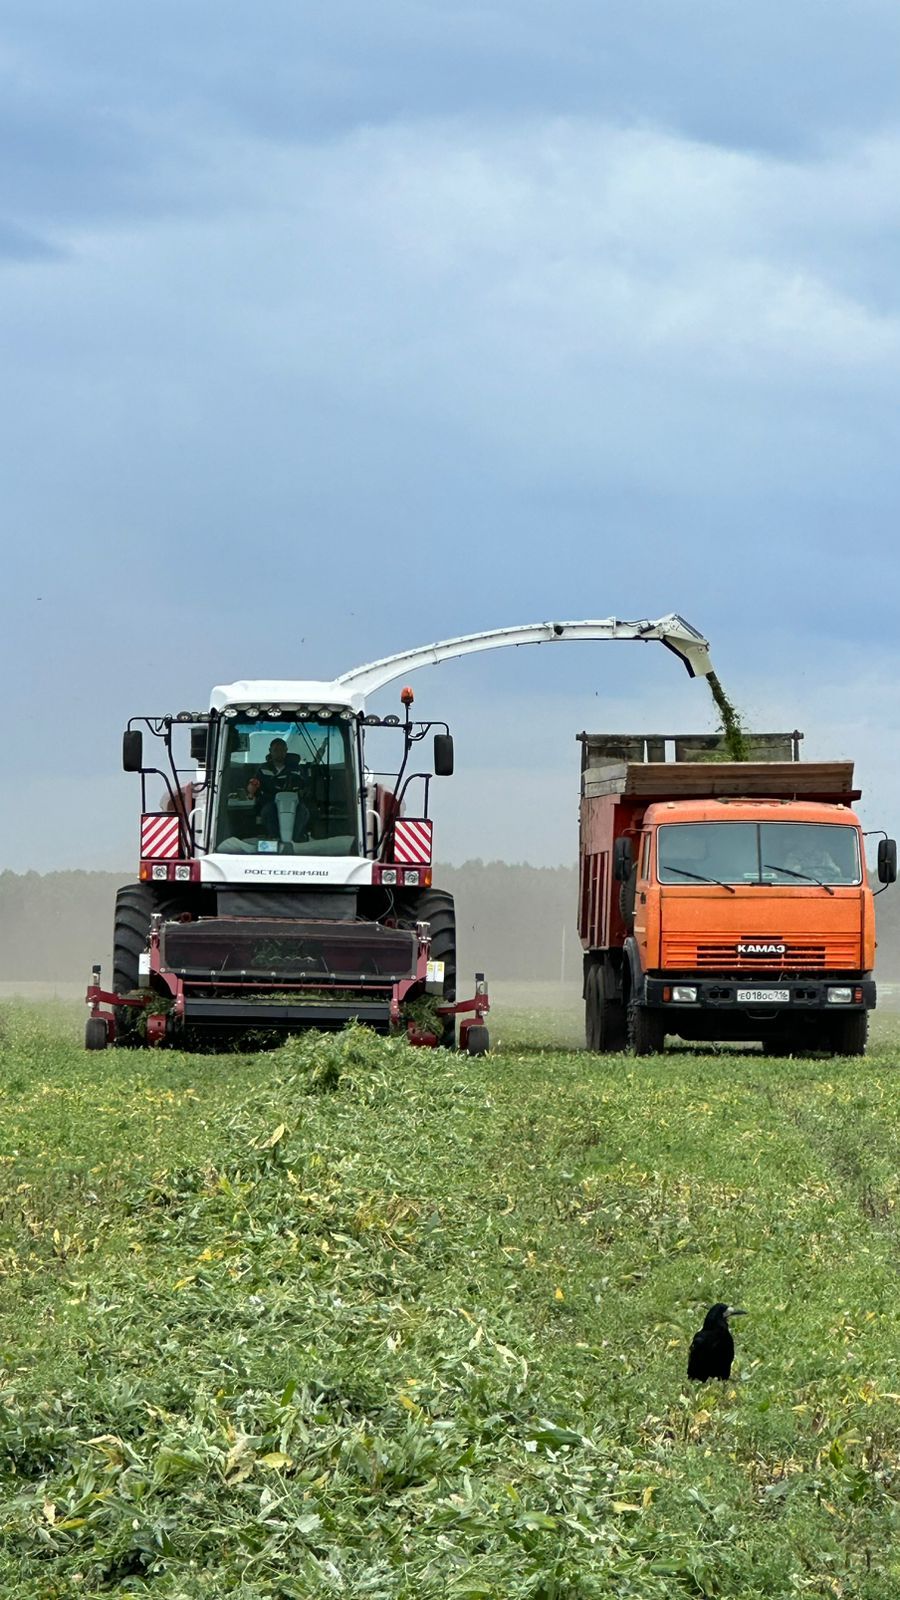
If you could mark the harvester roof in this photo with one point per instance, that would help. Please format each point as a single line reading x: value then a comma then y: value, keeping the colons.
x: 283, y: 693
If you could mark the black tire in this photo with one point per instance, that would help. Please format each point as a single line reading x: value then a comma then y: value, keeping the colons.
x: 627, y: 892
x: 613, y: 1022
x: 591, y: 1010
x: 848, y: 1035
x: 646, y: 1030
x: 135, y: 904
x: 605, y: 1021
x: 95, y: 1037
x: 435, y: 906
x: 478, y: 1041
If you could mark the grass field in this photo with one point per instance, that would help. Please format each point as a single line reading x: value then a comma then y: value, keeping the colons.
x: 348, y: 1319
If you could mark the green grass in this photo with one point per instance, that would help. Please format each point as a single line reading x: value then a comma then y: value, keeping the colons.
x: 351, y: 1319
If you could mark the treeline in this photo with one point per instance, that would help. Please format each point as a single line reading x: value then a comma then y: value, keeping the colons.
x: 514, y: 922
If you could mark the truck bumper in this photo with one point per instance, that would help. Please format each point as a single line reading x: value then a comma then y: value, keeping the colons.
x: 783, y: 997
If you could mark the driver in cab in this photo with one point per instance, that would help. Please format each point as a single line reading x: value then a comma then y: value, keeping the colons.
x: 280, y: 773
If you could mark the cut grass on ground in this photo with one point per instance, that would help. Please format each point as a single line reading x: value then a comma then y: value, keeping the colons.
x: 351, y: 1319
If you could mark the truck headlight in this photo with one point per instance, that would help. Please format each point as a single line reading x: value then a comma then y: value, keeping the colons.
x: 684, y: 992
x: 840, y: 997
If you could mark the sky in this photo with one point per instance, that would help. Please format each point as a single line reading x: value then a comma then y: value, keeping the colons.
x: 328, y: 331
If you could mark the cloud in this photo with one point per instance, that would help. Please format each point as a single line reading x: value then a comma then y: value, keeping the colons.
x: 300, y: 74
x: 18, y: 244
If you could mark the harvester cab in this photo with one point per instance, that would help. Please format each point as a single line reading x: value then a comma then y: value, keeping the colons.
x: 286, y: 881
x: 288, y: 783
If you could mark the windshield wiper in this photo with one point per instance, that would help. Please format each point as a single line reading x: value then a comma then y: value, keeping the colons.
x: 700, y: 877
x: 806, y: 876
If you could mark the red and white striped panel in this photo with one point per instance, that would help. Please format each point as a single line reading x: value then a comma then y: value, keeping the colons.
x: 159, y: 836
x: 412, y: 841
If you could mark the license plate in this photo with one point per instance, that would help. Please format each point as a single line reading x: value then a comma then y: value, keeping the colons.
x: 762, y: 997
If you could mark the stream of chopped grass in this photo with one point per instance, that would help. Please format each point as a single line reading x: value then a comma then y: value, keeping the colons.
x: 353, y: 1319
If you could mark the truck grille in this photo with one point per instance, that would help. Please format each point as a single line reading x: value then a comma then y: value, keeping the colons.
x: 278, y: 950
x: 721, y: 953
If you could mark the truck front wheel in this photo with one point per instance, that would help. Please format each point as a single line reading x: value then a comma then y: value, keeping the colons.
x: 646, y: 1029
x: 847, y: 1035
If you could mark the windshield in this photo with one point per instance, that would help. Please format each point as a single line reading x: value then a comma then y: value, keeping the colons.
x: 287, y: 788
x: 758, y: 852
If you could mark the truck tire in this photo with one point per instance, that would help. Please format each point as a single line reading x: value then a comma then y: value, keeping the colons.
x: 613, y: 1026
x: 646, y: 1031
x: 605, y: 1023
x: 847, y: 1036
x: 627, y: 895
x: 591, y: 1010
x: 436, y: 907
x: 135, y: 904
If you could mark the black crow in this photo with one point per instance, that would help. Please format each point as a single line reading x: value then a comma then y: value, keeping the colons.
x: 712, y: 1349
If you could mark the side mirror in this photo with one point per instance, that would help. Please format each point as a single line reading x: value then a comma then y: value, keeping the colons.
x: 443, y: 755
x: 623, y: 860
x: 887, y: 861
x: 132, y: 750
x: 200, y: 744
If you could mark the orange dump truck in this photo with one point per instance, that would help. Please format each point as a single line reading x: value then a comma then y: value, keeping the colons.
x: 724, y: 900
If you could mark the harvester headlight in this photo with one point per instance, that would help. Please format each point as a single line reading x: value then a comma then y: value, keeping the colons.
x: 389, y: 875
x: 230, y: 713
x: 685, y: 992
x: 160, y: 872
x: 392, y: 721
x: 840, y: 997
x: 347, y: 714
x: 371, y: 721
x: 412, y: 877
x: 183, y: 873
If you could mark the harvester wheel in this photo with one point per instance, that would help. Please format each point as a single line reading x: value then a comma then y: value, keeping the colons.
x: 95, y: 1034
x: 646, y: 1033
x: 135, y: 904
x: 435, y: 906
